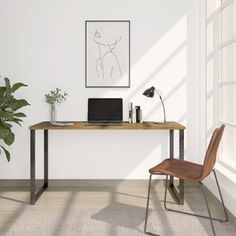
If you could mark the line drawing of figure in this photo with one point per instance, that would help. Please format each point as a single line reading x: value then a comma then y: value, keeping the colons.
x: 107, y: 65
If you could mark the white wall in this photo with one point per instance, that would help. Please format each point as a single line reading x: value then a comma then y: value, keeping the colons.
x: 42, y: 45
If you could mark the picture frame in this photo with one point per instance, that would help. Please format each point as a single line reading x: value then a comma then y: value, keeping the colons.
x: 107, y: 54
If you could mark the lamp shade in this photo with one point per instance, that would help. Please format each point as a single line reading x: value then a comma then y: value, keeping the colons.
x: 149, y: 92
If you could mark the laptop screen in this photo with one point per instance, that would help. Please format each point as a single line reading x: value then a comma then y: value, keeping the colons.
x: 105, y: 110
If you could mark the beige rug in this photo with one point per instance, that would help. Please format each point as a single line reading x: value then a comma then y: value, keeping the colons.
x: 113, y: 220
x: 105, y: 208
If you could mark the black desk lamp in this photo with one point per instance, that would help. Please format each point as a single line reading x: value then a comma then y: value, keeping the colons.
x: 150, y: 93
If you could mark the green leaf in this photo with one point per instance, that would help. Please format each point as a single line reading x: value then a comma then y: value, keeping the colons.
x: 2, y: 91
x: 4, y: 132
x: 9, y: 139
x: 7, y: 83
x: 17, y: 104
x: 6, y: 99
x: 8, y: 156
x: 17, y: 86
x: 17, y: 121
x: 7, y: 115
x: 20, y: 114
x: 9, y: 126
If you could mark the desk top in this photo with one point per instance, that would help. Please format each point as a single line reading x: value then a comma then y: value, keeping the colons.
x: 81, y: 125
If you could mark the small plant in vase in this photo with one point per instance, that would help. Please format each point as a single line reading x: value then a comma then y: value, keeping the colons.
x: 52, y: 98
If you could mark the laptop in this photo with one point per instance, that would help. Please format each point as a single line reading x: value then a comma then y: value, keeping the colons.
x: 105, y: 111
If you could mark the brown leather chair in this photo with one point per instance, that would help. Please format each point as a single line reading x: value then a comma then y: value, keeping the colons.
x: 190, y: 172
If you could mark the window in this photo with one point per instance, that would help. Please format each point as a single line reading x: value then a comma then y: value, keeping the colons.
x: 227, y: 81
x: 221, y: 75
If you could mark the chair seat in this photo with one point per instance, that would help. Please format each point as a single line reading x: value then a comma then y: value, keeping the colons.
x: 179, y: 168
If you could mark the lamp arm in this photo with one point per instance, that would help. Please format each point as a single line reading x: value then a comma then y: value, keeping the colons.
x: 164, y: 110
x: 158, y: 92
x: 163, y: 106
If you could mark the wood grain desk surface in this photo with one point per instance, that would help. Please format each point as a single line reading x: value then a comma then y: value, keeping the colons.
x: 82, y: 125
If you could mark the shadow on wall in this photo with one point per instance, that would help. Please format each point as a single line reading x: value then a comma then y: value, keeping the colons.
x: 169, y: 71
x: 159, y: 54
x: 165, y: 64
x: 155, y: 49
x: 131, y: 149
x: 159, y: 57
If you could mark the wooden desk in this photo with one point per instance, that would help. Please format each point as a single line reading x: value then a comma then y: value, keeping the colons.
x: 46, y: 126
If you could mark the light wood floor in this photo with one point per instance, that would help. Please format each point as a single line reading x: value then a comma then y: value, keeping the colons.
x: 102, y: 207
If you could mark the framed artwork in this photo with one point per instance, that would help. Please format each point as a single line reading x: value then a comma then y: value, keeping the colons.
x: 107, y: 54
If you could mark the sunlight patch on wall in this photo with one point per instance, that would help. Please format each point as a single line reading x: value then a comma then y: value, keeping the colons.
x: 162, y: 50
x: 212, y: 6
x: 165, y: 66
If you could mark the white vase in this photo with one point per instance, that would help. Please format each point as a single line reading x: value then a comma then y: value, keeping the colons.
x: 53, y: 113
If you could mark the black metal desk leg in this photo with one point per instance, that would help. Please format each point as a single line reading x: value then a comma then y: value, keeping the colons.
x: 181, y: 156
x: 32, y: 167
x: 46, y: 158
x: 171, y: 154
x: 34, y: 196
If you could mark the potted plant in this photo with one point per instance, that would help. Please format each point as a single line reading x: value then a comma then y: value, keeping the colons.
x: 9, y: 113
x: 54, y: 97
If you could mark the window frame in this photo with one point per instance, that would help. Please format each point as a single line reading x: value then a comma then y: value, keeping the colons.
x: 229, y: 164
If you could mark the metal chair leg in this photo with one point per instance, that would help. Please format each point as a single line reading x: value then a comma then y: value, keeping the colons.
x: 165, y: 191
x: 221, y: 198
x: 187, y: 213
x: 208, y: 209
x: 202, y: 216
x: 147, y: 208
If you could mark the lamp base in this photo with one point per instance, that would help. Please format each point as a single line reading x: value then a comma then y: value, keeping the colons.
x: 157, y: 122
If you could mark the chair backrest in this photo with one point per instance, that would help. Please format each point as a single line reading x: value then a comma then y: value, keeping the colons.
x: 210, y: 157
